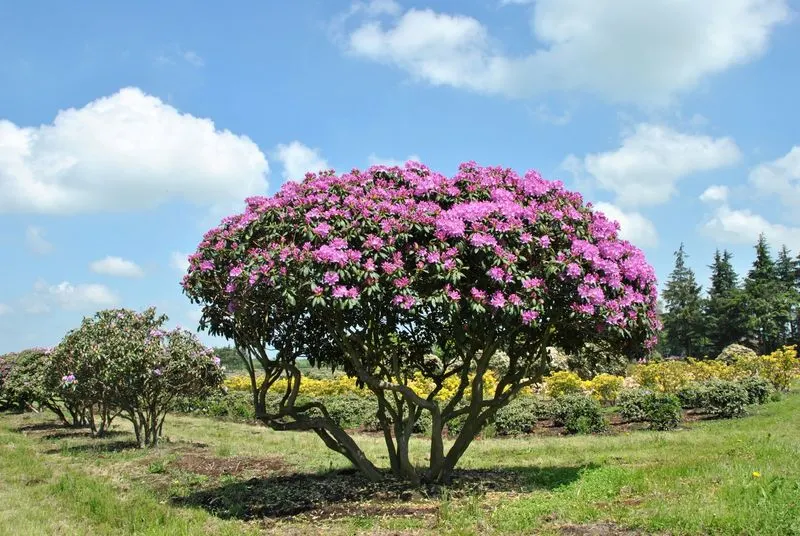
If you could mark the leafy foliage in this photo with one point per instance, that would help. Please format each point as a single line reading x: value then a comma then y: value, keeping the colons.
x: 579, y: 414
x: 519, y: 416
x: 758, y: 389
x: 726, y: 399
x: 121, y: 362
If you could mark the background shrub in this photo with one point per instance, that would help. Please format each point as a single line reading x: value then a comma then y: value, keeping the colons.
x: 631, y: 403
x: 726, y: 399
x: 758, y: 389
x: 662, y: 411
x: 519, y: 416
x: 558, y: 384
x: 605, y: 387
x: 351, y: 411
x: 578, y: 414
x: 692, y: 395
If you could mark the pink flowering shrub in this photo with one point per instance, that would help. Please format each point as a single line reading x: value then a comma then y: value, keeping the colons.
x: 371, y: 270
x: 124, y: 363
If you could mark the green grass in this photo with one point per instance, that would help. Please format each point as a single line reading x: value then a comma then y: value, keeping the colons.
x: 693, y: 481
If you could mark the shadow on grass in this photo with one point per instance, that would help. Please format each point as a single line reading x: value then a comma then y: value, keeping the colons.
x: 95, y: 446
x: 44, y: 427
x: 336, y: 493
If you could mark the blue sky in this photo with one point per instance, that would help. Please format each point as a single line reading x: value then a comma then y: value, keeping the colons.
x: 128, y: 129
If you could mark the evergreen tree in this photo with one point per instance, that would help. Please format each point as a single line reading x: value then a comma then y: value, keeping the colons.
x: 725, y: 319
x: 766, y: 301
x: 788, y: 272
x: 683, y: 318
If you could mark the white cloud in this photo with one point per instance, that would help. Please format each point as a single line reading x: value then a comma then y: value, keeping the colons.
x: 375, y: 160
x: 634, y: 227
x: 194, y: 58
x: 179, y: 261
x: 299, y: 159
x: 124, y: 152
x: 36, y: 242
x: 624, y: 50
x: 781, y: 178
x: 715, y: 194
x: 116, y: 266
x: 5, y: 309
x: 543, y: 114
x: 65, y: 295
x: 652, y: 159
x: 743, y: 227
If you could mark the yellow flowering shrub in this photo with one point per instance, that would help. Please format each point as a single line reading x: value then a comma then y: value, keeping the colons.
x: 341, y: 385
x: 666, y: 376
x: 561, y: 383
x: 708, y: 370
x: 781, y: 367
x: 605, y: 387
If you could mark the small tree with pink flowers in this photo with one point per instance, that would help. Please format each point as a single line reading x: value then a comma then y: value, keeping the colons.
x: 370, y: 271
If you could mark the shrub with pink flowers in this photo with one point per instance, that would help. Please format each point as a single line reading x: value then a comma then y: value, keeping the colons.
x: 124, y: 363
x: 372, y: 271
x: 32, y: 380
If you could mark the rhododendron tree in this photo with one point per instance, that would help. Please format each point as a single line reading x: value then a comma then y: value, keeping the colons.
x: 124, y: 363
x: 33, y: 380
x: 369, y: 271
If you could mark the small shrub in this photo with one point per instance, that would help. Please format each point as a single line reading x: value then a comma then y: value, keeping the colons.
x: 758, y: 389
x: 350, y: 411
x: 562, y: 383
x: 666, y: 376
x: 726, y: 399
x: 692, y: 395
x: 631, y: 403
x: 662, y: 411
x: 519, y: 416
x: 734, y: 352
x: 578, y: 414
x: 606, y: 387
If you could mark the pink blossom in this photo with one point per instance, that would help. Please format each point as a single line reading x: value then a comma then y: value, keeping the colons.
x: 544, y: 241
x: 529, y: 316
x: 330, y: 278
x: 496, y: 273
x: 498, y: 300
x: 322, y: 229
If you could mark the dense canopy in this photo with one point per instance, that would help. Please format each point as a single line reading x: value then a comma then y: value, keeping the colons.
x: 372, y: 271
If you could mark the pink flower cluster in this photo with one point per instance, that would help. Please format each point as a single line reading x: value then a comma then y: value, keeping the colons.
x: 519, y: 248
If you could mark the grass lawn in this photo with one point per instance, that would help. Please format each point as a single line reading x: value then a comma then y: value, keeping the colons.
x: 715, y: 477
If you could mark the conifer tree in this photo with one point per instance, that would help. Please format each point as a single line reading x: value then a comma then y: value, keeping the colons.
x: 766, y: 302
x: 726, y: 322
x: 683, y: 318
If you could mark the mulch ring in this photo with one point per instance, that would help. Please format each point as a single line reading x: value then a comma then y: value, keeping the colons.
x: 213, y: 466
x: 339, y: 494
x: 597, y: 529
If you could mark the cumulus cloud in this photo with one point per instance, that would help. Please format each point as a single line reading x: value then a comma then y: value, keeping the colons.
x: 733, y: 226
x: 652, y: 159
x: 715, y: 194
x: 5, y: 309
x: 127, y: 151
x: 116, y: 266
x: 69, y: 297
x: 36, y: 242
x: 634, y: 227
x: 375, y: 160
x: 299, y: 159
x: 780, y: 177
x: 624, y: 50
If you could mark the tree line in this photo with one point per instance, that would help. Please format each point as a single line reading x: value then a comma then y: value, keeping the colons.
x: 761, y: 311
